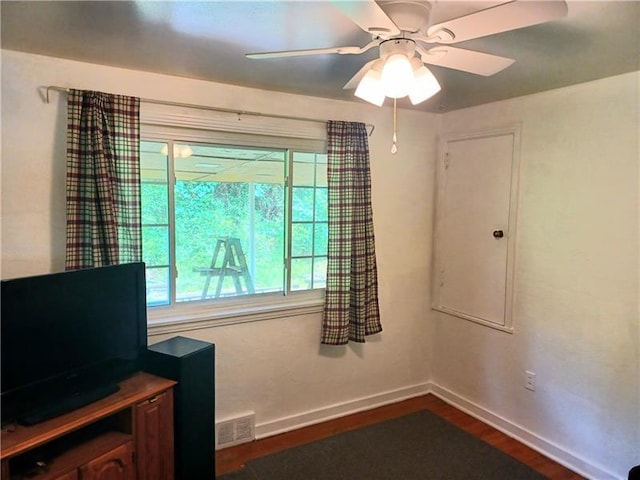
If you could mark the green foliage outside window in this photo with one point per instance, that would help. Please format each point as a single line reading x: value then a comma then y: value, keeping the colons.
x: 239, y: 206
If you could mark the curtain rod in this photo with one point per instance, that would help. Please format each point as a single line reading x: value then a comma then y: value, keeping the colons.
x: 214, y: 109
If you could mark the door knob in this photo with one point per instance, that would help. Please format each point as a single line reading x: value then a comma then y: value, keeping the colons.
x: 498, y: 233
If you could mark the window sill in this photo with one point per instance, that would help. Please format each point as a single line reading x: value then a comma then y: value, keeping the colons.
x: 182, y: 318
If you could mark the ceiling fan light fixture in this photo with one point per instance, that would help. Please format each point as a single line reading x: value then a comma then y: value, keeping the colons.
x: 402, y: 27
x: 370, y: 88
x: 424, y: 86
x: 397, y: 76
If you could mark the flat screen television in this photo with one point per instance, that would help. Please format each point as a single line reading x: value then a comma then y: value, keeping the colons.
x: 68, y: 338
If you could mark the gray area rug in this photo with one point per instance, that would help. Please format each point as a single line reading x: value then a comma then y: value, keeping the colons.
x: 414, y: 447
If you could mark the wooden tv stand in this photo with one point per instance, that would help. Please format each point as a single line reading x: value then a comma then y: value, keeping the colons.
x: 125, y: 436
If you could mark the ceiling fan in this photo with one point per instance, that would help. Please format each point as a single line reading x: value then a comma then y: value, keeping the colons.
x: 401, y: 31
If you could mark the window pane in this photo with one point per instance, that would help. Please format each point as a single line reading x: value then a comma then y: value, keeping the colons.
x: 305, y: 157
x: 320, y: 272
x: 155, y: 203
x: 229, y: 211
x: 304, y: 169
x: 321, y: 171
x: 155, y: 245
x: 321, y: 237
x: 154, y: 194
x: 321, y: 204
x: 302, y: 239
x: 229, y: 221
x: 302, y: 204
x: 309, y: 236
x: 194, y: 237
x: 301, y: 274
x: 267, y: 263
x: 157, y: 286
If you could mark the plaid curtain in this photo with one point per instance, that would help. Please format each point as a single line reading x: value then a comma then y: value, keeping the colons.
x: 351, y: 300
x: 103, y: 180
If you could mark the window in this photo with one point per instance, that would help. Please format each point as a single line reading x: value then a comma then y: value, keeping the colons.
x: 223, y: 220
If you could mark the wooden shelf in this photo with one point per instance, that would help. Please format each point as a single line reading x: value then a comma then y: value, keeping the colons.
x: 82, y: 454
x: 17, y: 438
x: 99, y: 438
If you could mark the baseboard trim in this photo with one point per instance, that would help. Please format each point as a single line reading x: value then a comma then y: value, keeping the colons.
x: 293, y: 422
x: 546, y: 447
x: 532, y: 440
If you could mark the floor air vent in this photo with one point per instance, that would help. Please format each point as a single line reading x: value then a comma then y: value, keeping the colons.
x: 235, y: 431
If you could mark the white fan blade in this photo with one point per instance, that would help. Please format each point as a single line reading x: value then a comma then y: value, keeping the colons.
x: 310, y: 51
x: 368, y: 16
x: 465, y: 60
x: 315, y: 51
x: 501, y: 18
x: 355, y: 80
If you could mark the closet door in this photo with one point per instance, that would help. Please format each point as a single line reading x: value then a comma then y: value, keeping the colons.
x: 475, y: 227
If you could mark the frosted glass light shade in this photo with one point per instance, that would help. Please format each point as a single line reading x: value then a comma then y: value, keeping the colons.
x: 370, y: 88
x: 397, y: 76
x: 424, y: 85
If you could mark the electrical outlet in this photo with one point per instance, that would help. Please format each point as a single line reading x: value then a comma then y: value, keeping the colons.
x: 530, y: 380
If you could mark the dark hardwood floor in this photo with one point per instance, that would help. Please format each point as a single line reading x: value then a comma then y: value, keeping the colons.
x: 233, y: 458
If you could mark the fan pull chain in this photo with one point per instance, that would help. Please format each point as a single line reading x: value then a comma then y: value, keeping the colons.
x: 394, y: 147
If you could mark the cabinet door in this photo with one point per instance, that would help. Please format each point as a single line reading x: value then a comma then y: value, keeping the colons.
x: 154, y: 438
x: 115, y: 465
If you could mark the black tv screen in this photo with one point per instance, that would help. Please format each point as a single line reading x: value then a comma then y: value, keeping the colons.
x: 69, y: 336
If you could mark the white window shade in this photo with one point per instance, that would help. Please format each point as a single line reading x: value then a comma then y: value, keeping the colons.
x: 269, y: 130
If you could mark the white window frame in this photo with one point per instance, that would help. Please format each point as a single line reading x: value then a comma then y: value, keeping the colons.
x: 183, y: 124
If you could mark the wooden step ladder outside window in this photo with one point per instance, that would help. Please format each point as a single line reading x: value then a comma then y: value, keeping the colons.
x: 234, y: 265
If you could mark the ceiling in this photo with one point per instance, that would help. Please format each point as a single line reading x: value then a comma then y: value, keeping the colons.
x: 208, y: 39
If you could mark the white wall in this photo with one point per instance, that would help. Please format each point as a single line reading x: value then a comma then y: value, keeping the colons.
x: 576, y: 282
x: 275, y: 367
